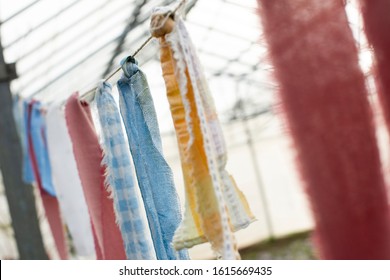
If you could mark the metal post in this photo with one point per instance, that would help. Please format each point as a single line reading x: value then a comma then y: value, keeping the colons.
x: 256, y: 167
x: 19, y: 195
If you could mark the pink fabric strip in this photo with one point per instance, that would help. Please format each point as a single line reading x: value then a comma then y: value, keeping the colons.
x: 325, y: 101
x: 50, y: 203
x: 53, y: 215
x: 88, y: 155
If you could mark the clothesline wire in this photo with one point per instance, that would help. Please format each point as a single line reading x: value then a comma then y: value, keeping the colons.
x: 130, y: 24
x: 89, y: 56
x: 87, y: 94
x: 133, y: 55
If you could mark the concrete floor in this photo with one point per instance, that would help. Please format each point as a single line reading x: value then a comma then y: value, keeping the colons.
x: 293, y: 247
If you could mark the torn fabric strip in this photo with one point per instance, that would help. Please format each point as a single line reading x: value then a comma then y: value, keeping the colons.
x: 154, y: 175
x: 214, y: 205
x: 120, y: 181
x: 67, y: 183
x: 88, y: 155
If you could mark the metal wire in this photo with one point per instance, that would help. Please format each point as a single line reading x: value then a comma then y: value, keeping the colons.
x: 129, y: 26
x: 87, y: 95
x: 59, y: 54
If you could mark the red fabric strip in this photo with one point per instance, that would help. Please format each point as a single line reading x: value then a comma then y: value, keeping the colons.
x: 53, y: 215
x: 377, y: 26
x: 325, y: 102
x: 88, y: 154
x: 50, y: 203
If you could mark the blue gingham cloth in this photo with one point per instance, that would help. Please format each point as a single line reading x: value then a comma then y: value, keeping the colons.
x: 120, y: 180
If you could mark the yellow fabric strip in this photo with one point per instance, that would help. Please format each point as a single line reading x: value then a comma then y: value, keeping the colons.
x: 202, y: 218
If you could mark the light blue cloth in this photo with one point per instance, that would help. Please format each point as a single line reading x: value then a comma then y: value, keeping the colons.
x: 154, y: 174
x: 18, y: 116
x: 120, y: 180
x: 20, y: 119
x: 38, y: 136
x: 28, y: 173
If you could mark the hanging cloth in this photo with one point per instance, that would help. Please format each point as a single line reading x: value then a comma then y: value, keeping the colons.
x: 20, y: 113
x: 376, y: 27
x: 154, y: 175
x: 88, y: 155
x: 40, y: 164
x: 327, y: 109
x: 119, y: 179
x: 214, y: 206
x: 17, y: 111
x: 28, y: 172
x: 67, y: 182
x: 39, y: 143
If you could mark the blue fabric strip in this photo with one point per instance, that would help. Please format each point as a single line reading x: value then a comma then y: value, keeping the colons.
x: 154, y: 174
x: 28, y: 173
x: 120, y: 180
x: 38, y: 135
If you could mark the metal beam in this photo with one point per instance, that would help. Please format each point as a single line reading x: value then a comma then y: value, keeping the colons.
x: 21, y: 11
x: 39, y: 72
x: 67, y: 28
x: 90, y: 56
x: 40, y: 25
x: 131, y: 24
x: 20, y: 196
x: 98, y: 50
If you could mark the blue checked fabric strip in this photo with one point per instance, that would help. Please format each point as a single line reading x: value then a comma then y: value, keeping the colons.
x: 120, y: 181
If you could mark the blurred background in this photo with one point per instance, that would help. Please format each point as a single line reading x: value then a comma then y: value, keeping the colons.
x: 60, y: 47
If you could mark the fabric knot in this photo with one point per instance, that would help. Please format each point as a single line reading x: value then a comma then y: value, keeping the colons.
x: 129, y: 66
x: 103, y: 86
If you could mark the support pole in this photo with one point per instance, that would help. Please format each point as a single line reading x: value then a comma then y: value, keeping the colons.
x: 19, y: 195
x: 256, y: 167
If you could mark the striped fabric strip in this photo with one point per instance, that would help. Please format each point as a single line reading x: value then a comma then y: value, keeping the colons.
x: 215, y: 207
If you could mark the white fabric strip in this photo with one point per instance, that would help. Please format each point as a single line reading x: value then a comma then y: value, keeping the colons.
x: 67, y: 183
